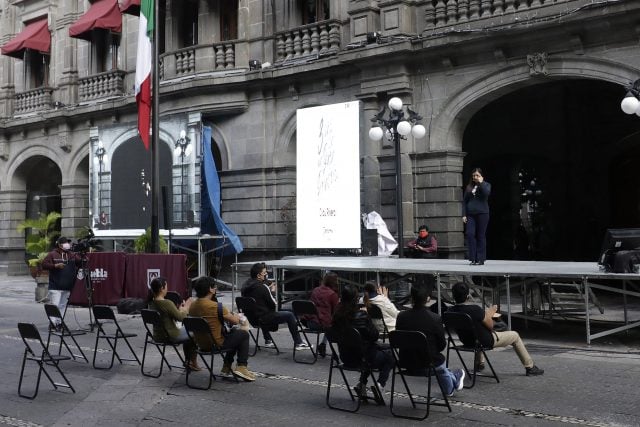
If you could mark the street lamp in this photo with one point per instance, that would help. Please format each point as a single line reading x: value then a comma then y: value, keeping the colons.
x: 396, y: 127
x: 183, y: 149
x: 630, y: 104
x: 101, y: 158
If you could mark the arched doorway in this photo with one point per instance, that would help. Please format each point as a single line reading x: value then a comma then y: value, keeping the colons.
x: 131, y: 184
x: 548, y: 151
x: 40, y: 178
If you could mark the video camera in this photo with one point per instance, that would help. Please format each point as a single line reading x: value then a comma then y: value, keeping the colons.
x: 84, y: 244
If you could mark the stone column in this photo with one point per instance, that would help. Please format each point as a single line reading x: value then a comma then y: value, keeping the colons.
x: 12, y: 212
x: 75, y: 207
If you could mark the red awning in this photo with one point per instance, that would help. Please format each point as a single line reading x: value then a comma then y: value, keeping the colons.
x: 34, y: 36
x: 104, y: 14
x: 132, y: 7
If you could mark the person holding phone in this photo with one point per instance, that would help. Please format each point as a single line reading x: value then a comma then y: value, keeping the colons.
x: 62, y: 265
x: 475, y: 214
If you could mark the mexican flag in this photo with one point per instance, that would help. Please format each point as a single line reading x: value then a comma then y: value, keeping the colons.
x: 143, y: 69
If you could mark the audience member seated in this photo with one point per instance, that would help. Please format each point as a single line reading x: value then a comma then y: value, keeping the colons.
x: 325, y: 298
x: 483, y: 319
x: 169, y: 314
x: 258, y: 288
x: 235, y: 342
x: 421, y: 319
x: 379, y: 296
x: 349, y: 315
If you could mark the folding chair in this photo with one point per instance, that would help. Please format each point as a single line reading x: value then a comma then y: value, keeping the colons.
x: 376, y: 314
x: 200, y: 334
x: 61, y: 331
x: 28, y: 331
x: 152, y: 320
x: 247, y: 306
x: 104, y: 316
x: 413, y: 342
x: 455, y: 322
x: 306, y: 308
x: 348, y: 344
x: 175, y: 298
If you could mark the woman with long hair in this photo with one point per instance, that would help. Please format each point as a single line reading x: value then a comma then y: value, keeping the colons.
x: 169, y: 314
x: 475, y: 211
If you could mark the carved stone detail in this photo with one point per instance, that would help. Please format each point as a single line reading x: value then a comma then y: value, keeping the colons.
x: 538, y: 64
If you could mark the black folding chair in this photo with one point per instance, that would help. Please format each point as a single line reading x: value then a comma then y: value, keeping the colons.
x: 61, y: 331
x: 300, y: 309
x: 152, y: 320
x: 104, y: 316
x: 456, y: 322
x: 348, y: 343
x: 200, y: 334
x: 174, y: 297
x: 247, y: 306
x: 413, y: 342
x: 28, y: 331
x: 376, y: 314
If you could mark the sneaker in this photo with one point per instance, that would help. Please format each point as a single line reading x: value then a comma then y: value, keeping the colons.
x: 460, y: 374
x: 377, y: 394
x: 269, y: 344
x: 361, y: 391
x: 302, y: 346
x: 226, y: 371
x: 534, y: 370
x: 322, y: 350
x: 242, y: 372
x: 479, y: 367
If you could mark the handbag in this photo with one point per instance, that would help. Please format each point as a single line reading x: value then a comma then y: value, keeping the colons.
x: 499, y: 325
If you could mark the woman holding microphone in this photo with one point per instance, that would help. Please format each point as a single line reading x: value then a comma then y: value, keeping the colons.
x: 475, y: 211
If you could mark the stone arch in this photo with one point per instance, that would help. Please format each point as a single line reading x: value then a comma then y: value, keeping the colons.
x: 222, y: 143
x: 286, y: 140
x: 448, y: 126
x: 79, y: 165
x: 14, y: 166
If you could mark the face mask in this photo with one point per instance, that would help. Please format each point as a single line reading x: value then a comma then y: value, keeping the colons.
x: 422, y: 234
x: 66, y: 246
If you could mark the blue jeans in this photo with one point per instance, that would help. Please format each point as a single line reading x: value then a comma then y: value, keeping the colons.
x: 476, y: 236
x: 315, y: 326
x: 446, y: 378
x: 279, y: 318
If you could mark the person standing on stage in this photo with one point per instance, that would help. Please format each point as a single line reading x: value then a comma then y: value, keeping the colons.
x: 475, y: 211
x: 62, y: 266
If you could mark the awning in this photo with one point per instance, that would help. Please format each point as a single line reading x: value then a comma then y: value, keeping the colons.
x: 103, y: 14
x: 132, y: 7
x: 34, y: 36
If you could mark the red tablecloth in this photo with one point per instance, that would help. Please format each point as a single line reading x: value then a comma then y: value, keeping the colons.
x: 107, y: 278
x: 142, y: 268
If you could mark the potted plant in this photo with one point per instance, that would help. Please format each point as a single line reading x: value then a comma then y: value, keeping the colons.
x: 143, y: 243
x: 42, y: 232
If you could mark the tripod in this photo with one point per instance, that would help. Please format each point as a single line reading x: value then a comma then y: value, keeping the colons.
x: 86, y: 273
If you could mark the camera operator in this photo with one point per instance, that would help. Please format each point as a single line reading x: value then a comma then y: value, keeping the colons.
x: 62, y: 265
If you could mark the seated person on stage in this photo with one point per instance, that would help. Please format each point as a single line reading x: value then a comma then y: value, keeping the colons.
x: 421, y: 319
x: 235, y: 342
x: 379, y: 296
x: 259, y: 289
x: 484, y: 328
x: 425, y: 245
x: 169, y: 314
x: 349, y: 315
x: 325, y: 298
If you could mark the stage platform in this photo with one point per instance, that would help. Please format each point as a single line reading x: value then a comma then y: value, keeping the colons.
x: 585, y: 273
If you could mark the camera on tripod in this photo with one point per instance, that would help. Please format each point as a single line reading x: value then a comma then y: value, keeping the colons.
x: 85, y: 243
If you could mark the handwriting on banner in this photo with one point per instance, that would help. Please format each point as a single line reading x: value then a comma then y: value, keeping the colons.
x: 327, y: 171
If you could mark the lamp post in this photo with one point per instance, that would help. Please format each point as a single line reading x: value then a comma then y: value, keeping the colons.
x: 183, y: 149
x: 631, y: 104
x: 101, y: 158
x: 396, y: 127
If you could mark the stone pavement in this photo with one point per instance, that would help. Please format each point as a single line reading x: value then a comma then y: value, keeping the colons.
x: 583, y: 385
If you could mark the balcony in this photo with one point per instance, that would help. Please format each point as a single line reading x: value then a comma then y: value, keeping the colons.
x: 198, y: 59
x: 318, y: 39
x: 103, y: 85
x: 33, y: 100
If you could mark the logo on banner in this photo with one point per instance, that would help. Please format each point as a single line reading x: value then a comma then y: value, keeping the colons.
x: 152, y: 273
x: 99, y: 274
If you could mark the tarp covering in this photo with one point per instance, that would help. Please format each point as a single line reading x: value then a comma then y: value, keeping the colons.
x: 103, y: 14
x: 211, y: 220
x: 132, y: 7
x: 35, y: 36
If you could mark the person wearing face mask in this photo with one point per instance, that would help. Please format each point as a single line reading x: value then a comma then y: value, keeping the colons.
x: 425, y: 246
x: 62, y: 266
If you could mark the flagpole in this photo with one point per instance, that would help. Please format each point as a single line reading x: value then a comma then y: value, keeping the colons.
x: 155, y: 126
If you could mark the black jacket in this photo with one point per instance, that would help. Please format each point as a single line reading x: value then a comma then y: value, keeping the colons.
x: 265, y: 304
x: 423, y: 320
x: 477, y: 203
x: 369, y: 335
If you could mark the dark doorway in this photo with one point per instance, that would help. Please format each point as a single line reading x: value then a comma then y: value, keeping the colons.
x: 131, y: 184
x: 559, y: 172
x: 42, y: 179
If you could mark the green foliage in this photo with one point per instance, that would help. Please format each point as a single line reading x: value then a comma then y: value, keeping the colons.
x: 143, y: 243
x: 42, y: 232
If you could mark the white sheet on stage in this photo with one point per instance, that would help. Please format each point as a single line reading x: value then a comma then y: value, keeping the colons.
x: 386, y: 242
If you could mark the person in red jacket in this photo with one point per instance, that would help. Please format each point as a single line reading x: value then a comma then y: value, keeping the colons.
x: 325, y: 298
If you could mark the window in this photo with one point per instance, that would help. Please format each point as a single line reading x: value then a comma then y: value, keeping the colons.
x: 188, y: 24
x: 229, y: 20
x: 314, y: 11
x: 36, y: 69
x: 104, y: 51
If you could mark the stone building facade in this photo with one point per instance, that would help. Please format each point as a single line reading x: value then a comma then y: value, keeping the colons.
x: 449, y: 60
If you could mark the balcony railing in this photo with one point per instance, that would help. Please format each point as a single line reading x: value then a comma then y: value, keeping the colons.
x: 199, y: 59
x: 103, y: 85
x: 439, y: 13
x: 33, y: 100
x: 320, y: 38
